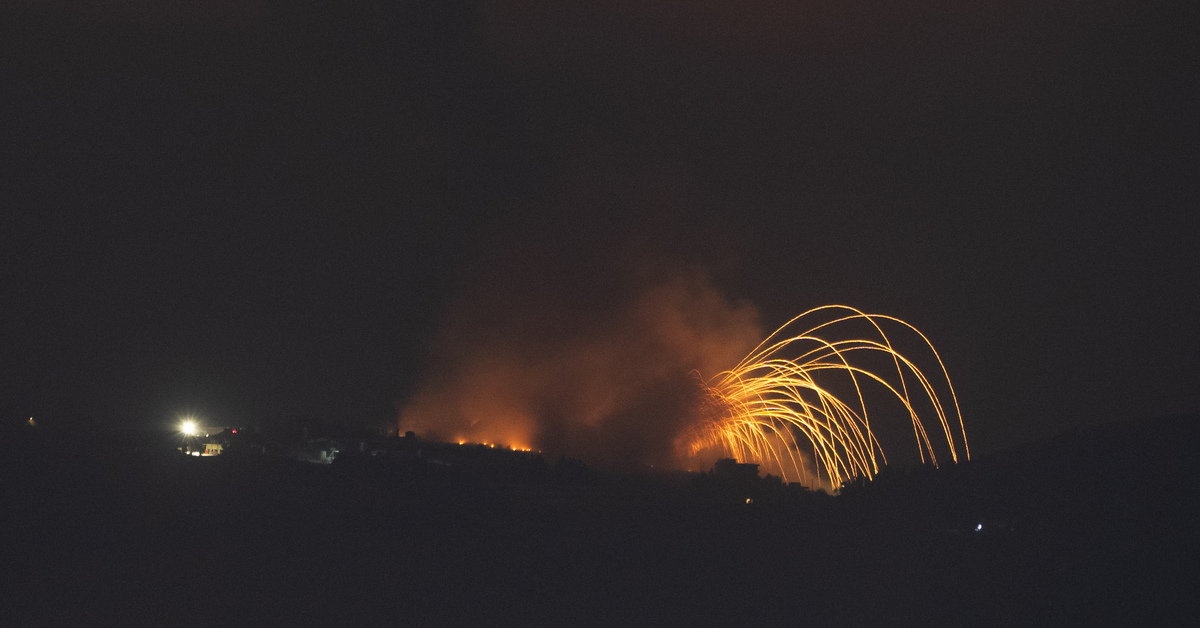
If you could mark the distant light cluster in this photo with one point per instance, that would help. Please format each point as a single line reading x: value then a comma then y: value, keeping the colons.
x: 463, y: 441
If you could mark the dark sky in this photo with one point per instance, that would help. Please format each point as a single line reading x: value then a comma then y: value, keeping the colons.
x: 271, y: 210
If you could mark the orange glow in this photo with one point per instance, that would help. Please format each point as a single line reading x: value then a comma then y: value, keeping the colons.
x: 610, y: 387
x: 772, y: 408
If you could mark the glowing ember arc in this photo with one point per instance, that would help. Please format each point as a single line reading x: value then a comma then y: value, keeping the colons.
x: 769, y: 405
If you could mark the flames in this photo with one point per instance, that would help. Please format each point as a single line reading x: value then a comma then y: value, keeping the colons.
x: 602, y: 378
x: 798, y: 403
x: 826, y: 398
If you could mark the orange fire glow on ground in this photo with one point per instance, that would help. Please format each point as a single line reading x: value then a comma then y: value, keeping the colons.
x: 816, y: 403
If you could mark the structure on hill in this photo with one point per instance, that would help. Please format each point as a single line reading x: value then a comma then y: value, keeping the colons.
x: 731, y: 470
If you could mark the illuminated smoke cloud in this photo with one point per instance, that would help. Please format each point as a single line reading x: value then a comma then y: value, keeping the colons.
x: 604, y: 377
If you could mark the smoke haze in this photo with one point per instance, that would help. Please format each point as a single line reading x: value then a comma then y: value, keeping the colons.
x: 603, y: 375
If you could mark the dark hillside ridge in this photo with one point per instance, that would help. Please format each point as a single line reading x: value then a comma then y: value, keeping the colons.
x: 1088, y: 527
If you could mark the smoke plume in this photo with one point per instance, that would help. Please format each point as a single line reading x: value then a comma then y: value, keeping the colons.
x: 598, y: 367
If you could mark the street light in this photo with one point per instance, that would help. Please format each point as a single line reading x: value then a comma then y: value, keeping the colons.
x: 188, y: 428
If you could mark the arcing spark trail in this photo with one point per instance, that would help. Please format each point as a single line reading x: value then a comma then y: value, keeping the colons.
x: 772, y: 408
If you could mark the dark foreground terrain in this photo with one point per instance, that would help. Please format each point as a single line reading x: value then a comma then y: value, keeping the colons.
x: 1089, y: 528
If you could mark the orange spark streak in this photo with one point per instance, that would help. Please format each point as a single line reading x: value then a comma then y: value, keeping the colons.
x: 769, y: 405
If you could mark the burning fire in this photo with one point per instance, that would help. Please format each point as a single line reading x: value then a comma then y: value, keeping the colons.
x: 773, y: 408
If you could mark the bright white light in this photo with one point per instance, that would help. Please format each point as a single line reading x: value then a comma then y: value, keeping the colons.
x: 188, y: 427
x: 978, y: 527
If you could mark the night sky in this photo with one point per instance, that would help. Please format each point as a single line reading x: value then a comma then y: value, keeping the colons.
x: 264, y: 211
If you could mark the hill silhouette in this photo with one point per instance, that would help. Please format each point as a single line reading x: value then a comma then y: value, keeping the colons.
x: 1090, y: 527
